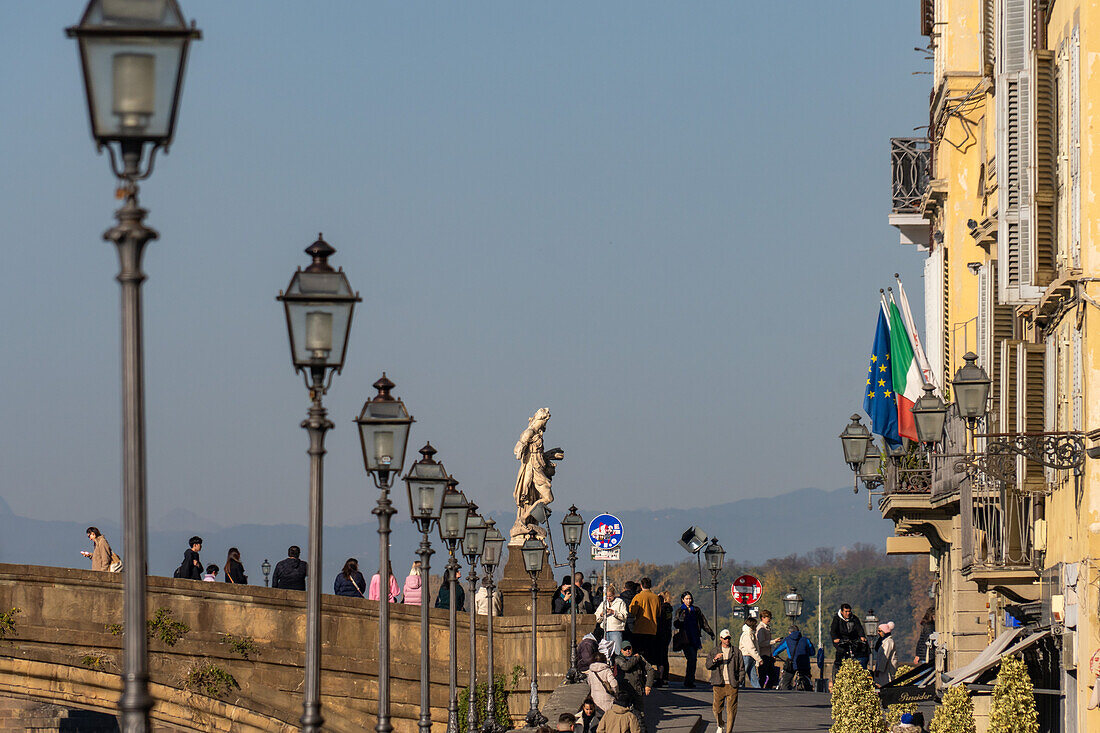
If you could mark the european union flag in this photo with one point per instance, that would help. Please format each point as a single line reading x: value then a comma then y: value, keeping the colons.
x: 879, y: 401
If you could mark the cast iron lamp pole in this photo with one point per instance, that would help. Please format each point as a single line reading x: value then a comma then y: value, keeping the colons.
x: 383, y: 436
x: 534, y: 557
x: 572, y: 527
x: 425, y: 482
x: 452, y: 527
x: 473, y: 545
x: 318, y: 302
x: 265, y: 568
x: 715, y: 558
x: 133, y: 67
x: 490, y: 558
x: 792, y: 604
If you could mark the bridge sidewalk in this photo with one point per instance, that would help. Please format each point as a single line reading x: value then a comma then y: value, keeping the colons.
x: 677, y: 710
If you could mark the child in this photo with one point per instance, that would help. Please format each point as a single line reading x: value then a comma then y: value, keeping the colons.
x: 211, y: 573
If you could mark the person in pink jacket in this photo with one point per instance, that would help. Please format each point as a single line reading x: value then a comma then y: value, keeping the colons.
x: 413, y: 591
x: 376, y: 591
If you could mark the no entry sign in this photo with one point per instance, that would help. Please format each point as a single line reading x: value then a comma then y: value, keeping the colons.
x: 746, y: 590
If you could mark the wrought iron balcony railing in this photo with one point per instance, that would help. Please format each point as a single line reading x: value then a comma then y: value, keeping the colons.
x: 910, y: 158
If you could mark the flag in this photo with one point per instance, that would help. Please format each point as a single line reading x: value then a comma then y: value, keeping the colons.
x: 908, y: 383
x: 914, y: 337
x: 878, y: 399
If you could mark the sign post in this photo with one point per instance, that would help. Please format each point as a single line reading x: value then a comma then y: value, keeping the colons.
x: 746, y: 591
x: 606, y: 532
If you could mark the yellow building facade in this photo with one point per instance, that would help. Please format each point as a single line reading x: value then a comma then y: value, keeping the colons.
x: 1001, y: 195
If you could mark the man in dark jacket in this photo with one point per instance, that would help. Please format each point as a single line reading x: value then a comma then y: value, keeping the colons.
x: 587, y: 649
x: 727, y: 674
x: 192, y: 567
x: 847, y: 634
x: 635, y: 678
x: 290, y: 574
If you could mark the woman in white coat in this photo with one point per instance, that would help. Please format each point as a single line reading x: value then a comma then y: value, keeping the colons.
x: 885, y: 660
x: 750, y: 653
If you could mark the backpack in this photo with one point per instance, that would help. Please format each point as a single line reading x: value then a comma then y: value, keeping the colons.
x: 178, y: 573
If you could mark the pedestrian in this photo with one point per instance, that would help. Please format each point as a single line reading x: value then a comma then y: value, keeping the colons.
x: 635, y: 678
x: 375, y: 593
x: 885, y: 664
x: 191, y: 567
x: 587, y: 649
x: 481, y: 601
x: 103, y: 557
x: 621, y: 718
x: 727, y: 674
x: 749, y: 653
x: 847, y: 634
x: 443, y: 599
x: 690, y: 624
x: 769, y: 676
x: 349, y: 581
x: 602, y: 685
x: 566, y: 721
x: 588, y: 719
x: 564, y: 596
x: 908, y: 724
x: 211, y: 573
x: 796, y: 670
x: 582, y: 592
x: 612, y: 614
x: 291, y: 572
x: 413, y: 590
x: 645, y: 606
x: 663, y: 638
x: 927, y: 628
x: 234, y: 569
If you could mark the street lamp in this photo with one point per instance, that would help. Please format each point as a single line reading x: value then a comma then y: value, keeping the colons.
x: 855, y: 440
x: 318, y: 302
x: 425, y: 483
x: 133, y: 56
x: 792, y: 604
x: 534, y: 557
x: 572, y: 528
x: 473, y: 545
x: 929, y: 416
x: 383, y: 437
x: 971, y: 386
x: 452, y: 528
x: 871, y: 468
x: 490, y: 558
x: 716, y: 556
x: 870, y: 623
x: 265, y: 568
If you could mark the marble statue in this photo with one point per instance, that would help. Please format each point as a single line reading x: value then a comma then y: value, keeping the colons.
x: 536, y: 470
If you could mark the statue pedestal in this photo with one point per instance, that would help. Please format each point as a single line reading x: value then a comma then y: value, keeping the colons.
x: 515, y: 585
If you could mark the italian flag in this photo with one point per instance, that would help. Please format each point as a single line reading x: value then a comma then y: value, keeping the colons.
x: 908, y: 383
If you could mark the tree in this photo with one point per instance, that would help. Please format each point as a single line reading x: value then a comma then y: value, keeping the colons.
x: 1013, y: 707
x: 856, y: 706
x: 956, y: 713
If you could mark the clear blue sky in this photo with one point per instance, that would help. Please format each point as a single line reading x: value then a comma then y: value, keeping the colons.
x: 666, y: 222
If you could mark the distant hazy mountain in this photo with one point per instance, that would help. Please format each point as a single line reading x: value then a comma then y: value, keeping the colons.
x: 751, y: 531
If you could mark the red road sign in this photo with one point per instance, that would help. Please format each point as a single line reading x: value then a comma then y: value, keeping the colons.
x: 746, y: 589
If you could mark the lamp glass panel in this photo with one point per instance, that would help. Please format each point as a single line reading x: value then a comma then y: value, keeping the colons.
x: 473, y: 542
x: 132, y: 84
x: 494, y: 544
x: 384, y: 430
x: 929, y: 423
x: 572, y: 527
x: 534, y: 553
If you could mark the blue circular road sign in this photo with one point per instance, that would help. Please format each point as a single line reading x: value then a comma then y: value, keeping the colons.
x: 605, y: 531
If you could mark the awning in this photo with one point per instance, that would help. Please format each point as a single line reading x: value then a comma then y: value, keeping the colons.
x: 992, y: 654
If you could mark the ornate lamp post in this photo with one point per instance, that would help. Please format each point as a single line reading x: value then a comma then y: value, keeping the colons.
x: 870, y: 623
x: 425, y: 482
x: 855, y: 440
x: 133, y: 56
x: 319, y: 302
x: 572, y: 528
x: 383, y: 436
x: 792, y: 604
x: 473, y: 545
x: 534, y: 557
x: 929, y: 416
x: 971, y: 390
x: 452, y: 528
x: 715, y: 558
x: 490, y: 558
x: 265, y: 568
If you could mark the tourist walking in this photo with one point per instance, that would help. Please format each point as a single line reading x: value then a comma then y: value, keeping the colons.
x: 443, y: 599
x: 349, y: 581
x: 191, y: 567
x: 727, y: 674
x: 211, y: 573
x: 583, y: 594
x: 635, y: 678
x: 103, y: 557
x: 769, y: 676
x: 291, y: 573
x: 375, y: 593
x: 621, y: 718
x: 413, y: 590
x: 847, y: 634
x: 645, y: 607
x: 481, y: 601
x: 588, y: 648
x: 588, y: 719
x: 690, y: 623
x: 884, y: 663
x: 749, y: 653
x: 611, y: 614
x: 663, y: 638
x: 234, y: 568
x: 927, y: 628
x: 602, y: 685
x: 796, y: 670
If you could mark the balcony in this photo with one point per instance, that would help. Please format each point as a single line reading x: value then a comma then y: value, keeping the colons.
x: 999, y: 536
x: 910, y: 160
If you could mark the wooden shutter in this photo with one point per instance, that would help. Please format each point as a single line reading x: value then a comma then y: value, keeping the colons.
x: 1075, y: 147
x: 1002, y: 329
x: 985, y: 318
x: 1006, y: 388
x: 1044, y: 180
x: 1050, y: 391
x: 1078, y: 381
x: 945, y: 313
x: 1030, y: 393
x: 989, y: 36
x: 933, y: 311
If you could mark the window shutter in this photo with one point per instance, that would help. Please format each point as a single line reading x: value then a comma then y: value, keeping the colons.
x: 1050, y: 390
x: 989, y: 36
x: 1078, y: 381
x: 1075, y: 147
x: 933, y: 308
x: 1044, y: 179
x: 1006, y: 389
x: 985, y: 319
x: 1030, y: 394
x: 1004, y: 317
